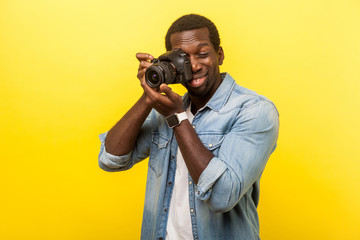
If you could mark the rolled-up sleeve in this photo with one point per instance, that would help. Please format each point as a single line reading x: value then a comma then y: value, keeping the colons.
x: 242, y: 157
x: 112, y: 163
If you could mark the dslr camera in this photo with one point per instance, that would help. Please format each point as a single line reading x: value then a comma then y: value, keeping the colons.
x: 171, y: 67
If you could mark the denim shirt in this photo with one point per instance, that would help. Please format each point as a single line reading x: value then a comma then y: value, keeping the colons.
x: 240, y: 127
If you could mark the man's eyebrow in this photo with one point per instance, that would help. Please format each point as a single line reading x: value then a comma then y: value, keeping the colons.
x: 203, y: 44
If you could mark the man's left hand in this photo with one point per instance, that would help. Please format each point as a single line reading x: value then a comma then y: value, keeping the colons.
x: 165, y: 101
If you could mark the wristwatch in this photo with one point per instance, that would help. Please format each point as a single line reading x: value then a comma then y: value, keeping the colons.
x: 175, y: 119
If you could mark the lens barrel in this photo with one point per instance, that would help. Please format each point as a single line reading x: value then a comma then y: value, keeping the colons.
x: 154, y: 76
x: 160, y: 72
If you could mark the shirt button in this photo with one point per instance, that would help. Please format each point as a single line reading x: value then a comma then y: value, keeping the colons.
x: 165, y: 210
x: 190, y: 182
x: 192, y: 210
x: 210, y: 145
x: 172, y: 157
x: 170, y: 183
x: 194, y: 126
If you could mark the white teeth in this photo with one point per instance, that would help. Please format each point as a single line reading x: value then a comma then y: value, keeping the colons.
x: 197, y: 81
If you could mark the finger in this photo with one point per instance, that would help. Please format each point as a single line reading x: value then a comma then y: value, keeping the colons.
x: 144, y: 64
x: 158, y: 101
x: 144, y: 56
x: 141, y: 74
x: 168, y: 91
x: 155, y: 94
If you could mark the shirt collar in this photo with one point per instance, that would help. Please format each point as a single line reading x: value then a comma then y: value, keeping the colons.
x: 220, y: 97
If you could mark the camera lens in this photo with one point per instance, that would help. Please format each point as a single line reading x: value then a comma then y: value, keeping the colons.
x: 160, y: 72
x: 154, y: 76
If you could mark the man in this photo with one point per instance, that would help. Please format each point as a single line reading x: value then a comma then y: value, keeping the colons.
x: 204, y: 170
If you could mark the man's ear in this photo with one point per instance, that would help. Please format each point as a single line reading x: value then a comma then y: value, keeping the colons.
x: 221, y: 55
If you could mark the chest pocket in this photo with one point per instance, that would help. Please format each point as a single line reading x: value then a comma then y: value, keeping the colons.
x: 158, y: 152
x: 212, y: 141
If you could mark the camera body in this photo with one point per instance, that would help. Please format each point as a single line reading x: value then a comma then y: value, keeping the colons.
x: 171, y: 67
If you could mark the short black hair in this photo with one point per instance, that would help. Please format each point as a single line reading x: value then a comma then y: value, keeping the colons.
x: 191, y: 22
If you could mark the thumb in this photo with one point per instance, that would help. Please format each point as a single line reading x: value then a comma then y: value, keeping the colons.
x: 168, y: 92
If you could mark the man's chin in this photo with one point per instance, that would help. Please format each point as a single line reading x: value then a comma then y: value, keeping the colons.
x: 195, y: 92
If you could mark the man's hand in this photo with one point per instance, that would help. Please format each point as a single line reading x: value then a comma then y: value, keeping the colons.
x: 144, y: 60
x: 163, y: 99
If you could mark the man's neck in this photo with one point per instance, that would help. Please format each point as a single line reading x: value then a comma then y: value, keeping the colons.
x: 197, y: 103
x: 193, y: 109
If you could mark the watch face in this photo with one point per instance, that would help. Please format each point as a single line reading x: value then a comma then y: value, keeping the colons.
x: 172, y: 121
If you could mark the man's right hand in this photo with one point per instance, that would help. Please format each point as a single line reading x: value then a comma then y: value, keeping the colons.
x: 163, y: 99
x: 144, y: 59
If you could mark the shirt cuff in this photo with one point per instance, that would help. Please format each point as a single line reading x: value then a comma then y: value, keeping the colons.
x: 208, y: 177
x: 110, y: 160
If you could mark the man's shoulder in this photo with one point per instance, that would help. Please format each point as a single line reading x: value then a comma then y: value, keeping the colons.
x: 242, y: 97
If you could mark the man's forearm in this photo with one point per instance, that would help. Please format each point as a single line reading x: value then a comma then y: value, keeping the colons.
x: 121, y: 138
x: 195, y: 154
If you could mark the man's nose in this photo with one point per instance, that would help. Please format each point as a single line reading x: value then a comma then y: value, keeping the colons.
x: 195, y: 65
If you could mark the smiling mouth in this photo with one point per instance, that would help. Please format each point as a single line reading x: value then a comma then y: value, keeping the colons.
x: 197, y: 82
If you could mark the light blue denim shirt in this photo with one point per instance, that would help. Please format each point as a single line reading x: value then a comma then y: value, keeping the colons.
x: 240, y: 127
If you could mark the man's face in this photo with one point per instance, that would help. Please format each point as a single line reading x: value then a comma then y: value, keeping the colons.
x: 205, y: 61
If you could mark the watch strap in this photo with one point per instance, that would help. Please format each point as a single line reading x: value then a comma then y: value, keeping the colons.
x: 175, y: 119
x: 181, y: 116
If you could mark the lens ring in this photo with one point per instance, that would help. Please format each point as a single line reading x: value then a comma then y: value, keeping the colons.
x: 154, y: 76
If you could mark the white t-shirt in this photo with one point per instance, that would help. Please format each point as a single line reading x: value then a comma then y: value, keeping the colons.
x: 179, y: 221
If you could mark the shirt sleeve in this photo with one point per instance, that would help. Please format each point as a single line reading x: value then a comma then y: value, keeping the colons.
x: 112, y: 163
x: 242, y: 157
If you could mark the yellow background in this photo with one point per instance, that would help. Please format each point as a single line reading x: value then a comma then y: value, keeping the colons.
x: 68, y: 72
